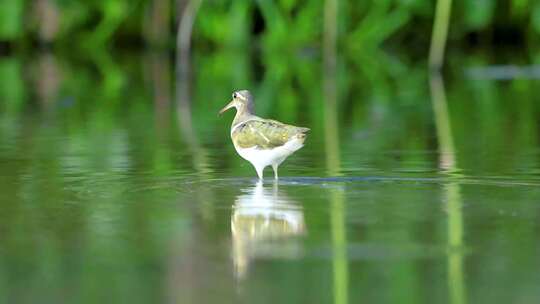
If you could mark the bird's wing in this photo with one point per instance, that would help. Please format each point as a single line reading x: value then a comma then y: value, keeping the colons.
x: 264, y: 133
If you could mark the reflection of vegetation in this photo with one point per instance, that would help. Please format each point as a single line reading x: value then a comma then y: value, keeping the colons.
x: 456, y: 280
x: 339, y: 247
x: 12, y: 92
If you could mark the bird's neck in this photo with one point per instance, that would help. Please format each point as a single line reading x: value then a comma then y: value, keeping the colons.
x: 242, y: 114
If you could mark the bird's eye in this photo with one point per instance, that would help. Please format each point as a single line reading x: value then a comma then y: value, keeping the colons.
x: 234, y: 95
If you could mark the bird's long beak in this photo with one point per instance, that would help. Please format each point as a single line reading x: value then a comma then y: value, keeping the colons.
x: 230, y: 105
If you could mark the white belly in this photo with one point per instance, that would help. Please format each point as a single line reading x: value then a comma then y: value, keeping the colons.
x: 275, y: 156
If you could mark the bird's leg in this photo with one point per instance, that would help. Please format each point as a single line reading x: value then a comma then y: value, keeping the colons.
x: 275, y: 167
x: 259, y: 172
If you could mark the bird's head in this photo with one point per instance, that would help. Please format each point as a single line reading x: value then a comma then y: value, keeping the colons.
x: 242, y: 101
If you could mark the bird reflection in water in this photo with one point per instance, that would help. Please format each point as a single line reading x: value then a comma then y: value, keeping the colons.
x: 264, y: 225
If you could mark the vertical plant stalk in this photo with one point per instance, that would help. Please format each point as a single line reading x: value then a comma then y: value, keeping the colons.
x: 48, y: 80
x: 183, y: 77
x: 156, y: 28
x: 452, y: 196
x: 337, y: 217
x: 440, y: 33
x: 330, y: 87
x: 183, y: 38
x: 159, y: 64
x: 330, y: 32
x: 442, y: 124
x: 187, y: 11
x: 49, y: 20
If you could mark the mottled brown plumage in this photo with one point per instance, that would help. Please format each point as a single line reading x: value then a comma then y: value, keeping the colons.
x: 264, y: 133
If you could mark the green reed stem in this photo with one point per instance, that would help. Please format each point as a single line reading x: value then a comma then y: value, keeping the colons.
x: 440, y: 33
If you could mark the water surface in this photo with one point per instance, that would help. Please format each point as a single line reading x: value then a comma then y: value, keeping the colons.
x: 410, y: 189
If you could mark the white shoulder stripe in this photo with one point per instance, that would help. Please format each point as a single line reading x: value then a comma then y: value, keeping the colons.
x: 239, y: 124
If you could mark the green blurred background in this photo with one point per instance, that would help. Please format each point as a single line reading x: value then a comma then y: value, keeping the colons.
x: 289, y: 24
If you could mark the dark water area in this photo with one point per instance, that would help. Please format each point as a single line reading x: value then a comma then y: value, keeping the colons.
x: 411, y: 188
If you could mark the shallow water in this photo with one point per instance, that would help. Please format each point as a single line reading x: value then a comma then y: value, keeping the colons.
x: 415, y: 193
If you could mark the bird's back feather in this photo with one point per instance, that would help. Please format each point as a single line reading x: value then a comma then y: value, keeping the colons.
x: 265, y: 133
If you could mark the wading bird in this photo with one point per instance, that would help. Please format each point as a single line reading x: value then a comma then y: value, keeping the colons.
x: 262, y: 142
